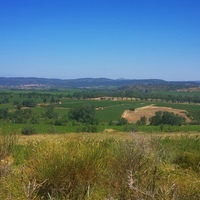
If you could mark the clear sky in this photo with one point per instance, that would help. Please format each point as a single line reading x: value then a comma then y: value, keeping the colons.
x: 133, y: 39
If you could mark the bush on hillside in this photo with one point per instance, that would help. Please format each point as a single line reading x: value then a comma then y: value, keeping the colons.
x: 29, y: 130
x: 167, y: 118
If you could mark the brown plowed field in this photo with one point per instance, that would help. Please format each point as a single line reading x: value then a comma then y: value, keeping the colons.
x: 149, y: 111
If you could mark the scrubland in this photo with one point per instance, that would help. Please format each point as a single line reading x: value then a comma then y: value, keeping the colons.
x: 109, y: 165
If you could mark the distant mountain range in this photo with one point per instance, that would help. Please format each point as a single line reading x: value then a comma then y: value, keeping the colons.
x: 21, y: 82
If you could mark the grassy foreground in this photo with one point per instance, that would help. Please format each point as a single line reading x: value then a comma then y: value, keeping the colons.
x: 100, y: 166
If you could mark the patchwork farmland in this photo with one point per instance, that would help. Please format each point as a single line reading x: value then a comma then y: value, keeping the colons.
x: 41, y: 130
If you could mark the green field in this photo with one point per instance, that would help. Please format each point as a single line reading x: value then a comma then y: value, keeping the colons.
x: 107, y: 117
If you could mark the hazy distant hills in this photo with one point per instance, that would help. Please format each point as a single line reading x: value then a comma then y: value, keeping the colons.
x: 16, y: 82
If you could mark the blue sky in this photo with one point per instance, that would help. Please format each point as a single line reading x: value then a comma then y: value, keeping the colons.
x: 133, y: 39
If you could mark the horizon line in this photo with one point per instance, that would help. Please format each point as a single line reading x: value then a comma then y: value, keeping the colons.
x: 116, y: 79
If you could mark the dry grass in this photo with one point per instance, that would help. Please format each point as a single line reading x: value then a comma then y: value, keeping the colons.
x: 59, y: 137
x: 110, y: 134
x: 95, y: 166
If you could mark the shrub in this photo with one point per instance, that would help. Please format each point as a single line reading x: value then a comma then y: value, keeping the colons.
x: 122, y: 121
x: 59, y: 122
x: 87, y: 128
x: 29, y: 103
x: 67, y: 173
x: 3, y: 113
x: 142, y: 121
x: 29, y: 131
x: 133, y: 173
x: 50, y: 113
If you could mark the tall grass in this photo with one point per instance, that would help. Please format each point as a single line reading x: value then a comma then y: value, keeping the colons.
x: 8, y: 143
x: 70, y: 168
x: 82, y: 167
x: 185, y: 151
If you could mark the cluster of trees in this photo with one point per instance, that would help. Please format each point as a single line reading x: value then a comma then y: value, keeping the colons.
x: 147, y: 92
x: 46, y: 97
x: 168, y: 118
x: 159, y: 87
x: 83, y: 117
x: 19, y: 116
x: 35, y: 95
x: 4, y: 100
x: 29, y: 103
x: 84, y: 114
x: 26, y: 103
x: 6, y: 94
x: 120, y: 122
x: 163, y: 97
x: 144, y: 95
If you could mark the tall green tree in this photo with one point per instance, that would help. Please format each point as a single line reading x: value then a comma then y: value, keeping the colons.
x: 84, y: 114
x: 50, y: 113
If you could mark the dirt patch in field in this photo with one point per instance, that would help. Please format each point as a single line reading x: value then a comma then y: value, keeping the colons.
x: 149, y: 111
x: 109, y: 130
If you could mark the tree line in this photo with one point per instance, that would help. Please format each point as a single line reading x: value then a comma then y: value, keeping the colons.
x: 144, y: 95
